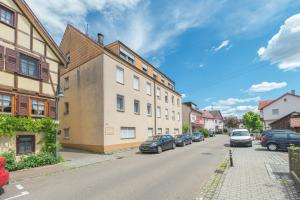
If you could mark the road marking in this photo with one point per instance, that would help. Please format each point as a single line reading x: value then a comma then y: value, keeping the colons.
x: 17, y: 196
x: 19, y: 187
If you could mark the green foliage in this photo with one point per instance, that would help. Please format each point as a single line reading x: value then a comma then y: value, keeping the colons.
x: 185, y: 128
x: 252, y: 122
x: 204, y: 131
x: 11, y: 163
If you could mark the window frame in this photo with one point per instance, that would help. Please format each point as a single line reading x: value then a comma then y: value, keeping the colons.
x: 38, y: 105
x: 136, y: 78
x: 127, y: 128
x: 139, y: 107
x: 149, y: 105
x: 17, y: 144
x: 13, y: 15
x: 2, y: 100
x: 148, y: 86
x: 167, y: 114
x: 158, y: 108
x: 66, y: 82
x: 66, y: 108
x: 123, y: 75
x: 123, y: 98
x: 29, y: 58
x: 273, y: 111
x: 66, y: 130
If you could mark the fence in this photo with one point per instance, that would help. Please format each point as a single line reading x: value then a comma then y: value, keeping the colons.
x: 294, y: 161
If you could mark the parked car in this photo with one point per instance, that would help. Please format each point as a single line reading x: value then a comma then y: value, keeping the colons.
x: 157, y: 144
x: 197, y: 137
x: 211, y: 133
x: 184, y: 139
x: 240, y: 137
x: 279, y: 139
x: 4, y: 174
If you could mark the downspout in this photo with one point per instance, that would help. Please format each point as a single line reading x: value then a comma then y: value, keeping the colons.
x: 190, y: 121
x: 154, y: 96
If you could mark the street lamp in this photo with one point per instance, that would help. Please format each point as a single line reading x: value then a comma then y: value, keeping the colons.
x: 59, y: 94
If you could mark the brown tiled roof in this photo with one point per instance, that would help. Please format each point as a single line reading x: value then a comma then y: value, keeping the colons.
x: 263, y: 104
x: 207, y: 114
x: 216, y: 114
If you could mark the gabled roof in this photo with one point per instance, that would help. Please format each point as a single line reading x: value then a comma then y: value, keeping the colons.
x: 264, y: 104
x: 40, y: 29
x: 207, y: 114
x: 217, y: 114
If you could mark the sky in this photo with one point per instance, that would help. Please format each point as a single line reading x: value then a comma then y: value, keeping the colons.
x: 222, y: 54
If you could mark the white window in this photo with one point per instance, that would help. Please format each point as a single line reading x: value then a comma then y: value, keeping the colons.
x: 158, y: 93
x: 159, y: 131
x: 136, y: 107
x: 167, y: 131
x: 150, y: 132
x: 120, y: 103
x: 136, y: 83
x: 127, y: 133
x: 275, y: 111
x: 149, y: 109
x: 145, y: 68
x: 158, y: 112
x: 173, y: 115
x: 120, y: 75
x: 176, y: 131
x: 178, y: 116
x: 193, y: 118
x: 148, y: 88
x: 167, y: 114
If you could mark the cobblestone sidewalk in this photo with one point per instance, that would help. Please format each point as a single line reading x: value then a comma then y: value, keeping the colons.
x: 257, y: 174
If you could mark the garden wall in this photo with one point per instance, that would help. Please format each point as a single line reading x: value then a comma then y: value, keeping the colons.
x: 294, y: 161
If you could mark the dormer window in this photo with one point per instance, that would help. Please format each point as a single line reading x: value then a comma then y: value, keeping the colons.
x: 145, y: 68
x: 126, y: 56
x: 6, y: 16
x: 154, y: 75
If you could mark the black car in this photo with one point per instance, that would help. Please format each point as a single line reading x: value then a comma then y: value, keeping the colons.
x: 211, y: 133
x: 157, y: 144
x: 184, y: 139
x: 197, y: 137
x: 279, y: 139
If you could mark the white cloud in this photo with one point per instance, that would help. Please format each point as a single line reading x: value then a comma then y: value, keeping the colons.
x: 284, y: 47
x: 223, y: 44
x: 267, y: 86
x: 183, y: 96
x: 233, y: 101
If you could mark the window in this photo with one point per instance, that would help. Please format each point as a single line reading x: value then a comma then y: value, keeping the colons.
x: 166, y: 97
x: 148, y: 88
x: 178, y: 102
x: 120, y: 75
x: 29, y: 66
x: 120, y: 103
x: 295, y: 136
x: 167, y: 114
x: 163, y: 80
x: 25, y: 144
x: 178, y: 116
x: 136, y: 83
x: 280, y: 135
x: 145, y: 68
x: 158, y: 112
x: 66, y: 133
x: 5, y: 104
x: 154, y: 75
x: 66, y: 85
x: 275, y: 111
x: 126, y: 56
x: 149, y: 109
x: 37, y: 107
x: 136, y: 107
x: 167, y: 131
x: 150, y: 132
x: 176, y: 131
x: 171, y: 86
x: 159, y: 131
x: 158, y: 93
x: 6, y: 16
x: 173, y: 115
x: 127, y: 132
x: 173, y: 100
x: 66, y: 108
x: 68, y: 57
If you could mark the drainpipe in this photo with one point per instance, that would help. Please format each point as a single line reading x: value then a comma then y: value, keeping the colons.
x: 190, y: 122
x: 154, y: 96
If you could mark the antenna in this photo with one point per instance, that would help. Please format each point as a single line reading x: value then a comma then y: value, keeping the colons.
x: 87, y: 29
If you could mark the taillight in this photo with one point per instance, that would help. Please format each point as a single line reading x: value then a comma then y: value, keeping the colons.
x: 263, y: 140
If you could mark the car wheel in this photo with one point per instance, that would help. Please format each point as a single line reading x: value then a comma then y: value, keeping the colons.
x: 174, y: 146
x: 272, y: 147
x: 159, y: 149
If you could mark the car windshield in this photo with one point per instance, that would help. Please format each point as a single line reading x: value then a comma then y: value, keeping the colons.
x: 178, y: 136
x: 240, y: 133
x: 196, y: 134
x: 153, y: 138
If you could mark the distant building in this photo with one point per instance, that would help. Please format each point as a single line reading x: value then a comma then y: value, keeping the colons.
x: 273, y: 110
x: 290, y: 121
x: 192, y: 116
x: 219, y: 120
x: 209, y: 121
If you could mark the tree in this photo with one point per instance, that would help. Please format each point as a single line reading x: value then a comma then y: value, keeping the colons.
x: 185, y: 128
x: 252, y: 122
x: 231, y: 122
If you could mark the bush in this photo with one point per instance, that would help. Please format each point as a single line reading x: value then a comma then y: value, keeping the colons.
x: 185, y: 128
x: 11, y: 163
x: 204, y: 131
x: 40, y: 159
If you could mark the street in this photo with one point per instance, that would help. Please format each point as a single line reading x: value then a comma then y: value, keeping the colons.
x: 174, y: 174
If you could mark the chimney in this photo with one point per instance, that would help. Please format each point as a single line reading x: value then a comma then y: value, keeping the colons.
x: 100, y: 39
x: 293, y: 92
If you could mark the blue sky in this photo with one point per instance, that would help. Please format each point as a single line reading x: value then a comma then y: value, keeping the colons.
x: 223, y: 54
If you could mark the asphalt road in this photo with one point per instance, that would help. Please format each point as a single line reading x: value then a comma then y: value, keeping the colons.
x: 174, y: 174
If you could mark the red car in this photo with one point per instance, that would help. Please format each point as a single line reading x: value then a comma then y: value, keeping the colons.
x: 4, y: 175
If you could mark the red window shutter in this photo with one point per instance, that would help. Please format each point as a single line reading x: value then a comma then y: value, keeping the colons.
x: 12, y: 60
x: 52, y: 109
x: 23, y: 105
x: 44, y: 71
x: 1, y: 57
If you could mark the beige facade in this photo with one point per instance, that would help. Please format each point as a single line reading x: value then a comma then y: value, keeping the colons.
x: 92, y: 119
x: 29, y: 63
